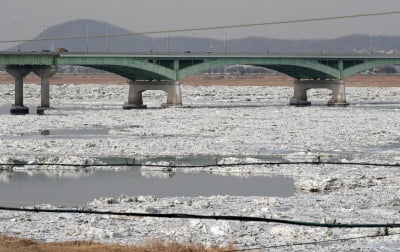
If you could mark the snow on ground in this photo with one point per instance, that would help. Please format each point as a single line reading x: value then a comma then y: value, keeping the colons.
x: 237, y: 123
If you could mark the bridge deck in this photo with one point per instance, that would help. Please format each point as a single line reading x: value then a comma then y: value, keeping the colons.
x: 231, y: 55
x: 204, y: 55
x: 175, y: 66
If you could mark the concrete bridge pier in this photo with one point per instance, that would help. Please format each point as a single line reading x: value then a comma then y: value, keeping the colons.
x: 301, y: 87
x: 45, y: 73
x: 19, y: 72
x: 136, y: 88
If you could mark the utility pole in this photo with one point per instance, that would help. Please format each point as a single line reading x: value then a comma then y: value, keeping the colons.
x: 44, y: 27
x: 108, y: 38
x: 152, y: 35
x: 19, y: 35
x: 268, y: 45
x: 224, y: 42
x: 152, y: 42
x: 87, y: 37
x: 168, y: 43
x: 322, y: 46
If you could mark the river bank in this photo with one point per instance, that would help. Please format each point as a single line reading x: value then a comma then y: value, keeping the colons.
x: 208, y: 80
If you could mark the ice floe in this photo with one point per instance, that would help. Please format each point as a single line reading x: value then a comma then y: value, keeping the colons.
x: 236, y: 125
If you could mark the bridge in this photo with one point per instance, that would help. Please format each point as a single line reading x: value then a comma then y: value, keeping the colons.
x: 156, y: 71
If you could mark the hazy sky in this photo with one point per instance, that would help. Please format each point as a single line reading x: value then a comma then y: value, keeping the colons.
x: 24, y: 19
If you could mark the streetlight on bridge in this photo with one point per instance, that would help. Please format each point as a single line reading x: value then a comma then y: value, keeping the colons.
x: 19, y: 35
x: 108, y: 38
x: 224, y: 41
x: 87, y: 37
x: 44, y: 30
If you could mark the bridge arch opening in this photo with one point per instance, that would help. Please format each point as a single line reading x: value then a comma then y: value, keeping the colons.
x: 319, y: 96
x: 76, y: 69
x: 297, y: 68
x: 302, y: 87
x: 154, y: 98
x: 239, y: 75
x: 136, y: 89
x: 372, y: 67
x: 380, y: 70
x: 239, y: 70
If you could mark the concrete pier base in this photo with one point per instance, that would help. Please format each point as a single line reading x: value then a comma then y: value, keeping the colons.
x: 19, y: 72
x: 136, y: 88
x: 301, y: 86
x: 45, y: 73
x: 19, y: 110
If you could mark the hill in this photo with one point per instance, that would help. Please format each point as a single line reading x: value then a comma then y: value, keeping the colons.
x: 140, y: 43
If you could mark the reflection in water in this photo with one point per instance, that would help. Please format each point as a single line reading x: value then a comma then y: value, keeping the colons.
x: 52, y: 174
x: 46, y: 187
x: 201, y: 160
x: 44, y: 132
x: 5, y: 110
x: 158, y: 174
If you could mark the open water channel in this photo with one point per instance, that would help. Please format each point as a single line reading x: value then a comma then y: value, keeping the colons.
x: 26, y: 188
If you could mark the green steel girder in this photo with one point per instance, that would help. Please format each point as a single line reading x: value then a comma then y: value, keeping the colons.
x: 299, y: 72
x: 351, y: 63
x: 27, y: 59
x: 128, y: 72
x: 131, y: 65
x: 178, y: 66
x: 188, y: 63
x: 313, y: 66
x: 368, y: 64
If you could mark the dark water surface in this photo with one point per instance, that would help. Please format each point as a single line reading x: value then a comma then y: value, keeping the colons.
x: 22, y: 188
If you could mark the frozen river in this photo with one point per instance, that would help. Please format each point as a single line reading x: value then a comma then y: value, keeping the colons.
x: 226, y: 125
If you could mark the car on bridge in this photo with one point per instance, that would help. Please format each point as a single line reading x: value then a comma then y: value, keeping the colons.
x: 61, y: 50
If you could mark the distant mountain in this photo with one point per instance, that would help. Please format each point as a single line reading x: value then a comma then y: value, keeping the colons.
x: 140, y: 43
x: 82, y: 27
